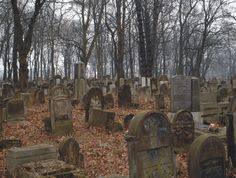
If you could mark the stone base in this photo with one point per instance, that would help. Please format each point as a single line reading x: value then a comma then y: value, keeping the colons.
x: 61, y: 127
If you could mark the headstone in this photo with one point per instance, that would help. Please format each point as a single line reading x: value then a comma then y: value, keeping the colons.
x: 108, y: 101
x: 182, y: 130
x: 207, y: 158
x: 39, y: 96
x: 180, y: 93
x: 101, y: 118
x: 8, y: 90
x: 18, y: 156
x: 154, y: 86
x: 124, y: 96
x: 69, y: 151
x: 164, y: 89
x: 15, y: 110
x: 149, y: 146
x: 93, y: 99
x: 195, y: 92
x: 57, y: 80
x: 60, y: 111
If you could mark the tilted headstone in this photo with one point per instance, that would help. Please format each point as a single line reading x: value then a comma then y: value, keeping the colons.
x: 93, y: 99
x: 69, y: 151
x: 182, y: 130
x: 15, y: 110
x: 207, y: 158
x: 149, y: 146
x: 180, y: 93
x: 18, y: 156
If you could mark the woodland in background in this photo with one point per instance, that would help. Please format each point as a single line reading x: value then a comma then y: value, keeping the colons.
x: 120, y: 38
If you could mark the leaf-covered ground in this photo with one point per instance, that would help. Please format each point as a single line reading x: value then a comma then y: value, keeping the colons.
x: 104, y: 153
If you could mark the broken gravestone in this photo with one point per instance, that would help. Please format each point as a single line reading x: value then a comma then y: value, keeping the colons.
x: 149, y: 146
x: 207, y: 158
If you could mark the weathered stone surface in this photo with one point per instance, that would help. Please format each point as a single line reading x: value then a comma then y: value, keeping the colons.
x: 182, y: 130
x: 108, y: 101
x: 149, y: 146
x: 18, y: 156
x: 93, y: 99
x: 101, y: 118
x: 8, y: 90
x: 207, y: 158
x: 164, y: 89
x: 124, y: 96
x: 15, y: 110
x: 60, y: 111
x: 180, y: 93
x: 195, y: 92
x: 69, y: 151
x: 48, y: 168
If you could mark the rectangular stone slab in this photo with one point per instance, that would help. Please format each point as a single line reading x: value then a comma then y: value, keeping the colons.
x: 18, y: 156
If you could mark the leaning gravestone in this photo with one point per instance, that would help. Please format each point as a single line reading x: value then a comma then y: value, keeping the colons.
x: 149, y: 146
x: 69, y: 151
x: 180, y: 93
x: 207, y: 158
x: 182, y: 130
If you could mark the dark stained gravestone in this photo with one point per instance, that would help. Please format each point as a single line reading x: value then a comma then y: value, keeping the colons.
x: 15, y: 110
x: 93, y: 99
x: 124, y: 96
x: 180, y: 93
x: 108, y: 101
x: 8, y: 90
x: 182, y: 130
x: 195, y: 92
x: 150, y: 147
x: 69, y: 151
x: 207, y: 158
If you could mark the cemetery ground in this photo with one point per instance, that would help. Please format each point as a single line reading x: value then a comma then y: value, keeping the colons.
x: 105, y: 154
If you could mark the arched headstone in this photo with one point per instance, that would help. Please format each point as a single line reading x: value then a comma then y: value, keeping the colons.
x: 207, y: 158
x: 69, y: 151
x: 182, y: 129
x: 150, y: 147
